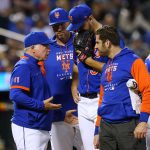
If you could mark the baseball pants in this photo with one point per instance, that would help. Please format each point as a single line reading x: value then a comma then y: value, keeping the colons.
x: 65, y: 136
x: 30, y: 139
x: 87, y: 113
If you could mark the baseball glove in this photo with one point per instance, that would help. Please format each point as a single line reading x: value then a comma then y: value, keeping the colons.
x: 84, y: 43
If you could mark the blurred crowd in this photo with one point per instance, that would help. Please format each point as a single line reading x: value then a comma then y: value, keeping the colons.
x: 23, y: 16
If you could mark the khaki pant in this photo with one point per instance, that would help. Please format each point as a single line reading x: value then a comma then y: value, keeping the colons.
x: 120, y: 136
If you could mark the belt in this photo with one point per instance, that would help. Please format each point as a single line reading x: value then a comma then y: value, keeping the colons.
x: 89, y: 95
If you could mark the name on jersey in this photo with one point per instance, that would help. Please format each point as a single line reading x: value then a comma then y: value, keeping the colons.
x: 111, y: 68
x: 64, y: 56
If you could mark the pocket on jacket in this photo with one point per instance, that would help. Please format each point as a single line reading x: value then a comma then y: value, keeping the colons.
x: 112, y: 111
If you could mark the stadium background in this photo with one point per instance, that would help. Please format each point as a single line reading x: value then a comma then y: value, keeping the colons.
x: 19, y: 17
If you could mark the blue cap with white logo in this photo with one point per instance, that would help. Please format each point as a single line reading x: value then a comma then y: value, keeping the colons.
x: 58, y: 15
x: 78, y: 15
x: 35, y: 38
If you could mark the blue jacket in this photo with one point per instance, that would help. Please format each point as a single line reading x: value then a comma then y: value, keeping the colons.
x: 28, y: 90
x: 116, y: 102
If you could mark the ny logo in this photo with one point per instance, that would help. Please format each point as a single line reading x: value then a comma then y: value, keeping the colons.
x: 66, y: 66
x: 57, y: 14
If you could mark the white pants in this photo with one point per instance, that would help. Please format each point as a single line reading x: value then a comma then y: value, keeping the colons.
x: 30, y: 139
x: 65, y: 136
x: 148, y: 136
x: 87, y: 113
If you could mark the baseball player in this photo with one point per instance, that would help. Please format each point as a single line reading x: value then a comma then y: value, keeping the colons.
x: 86, y: 21
x: 65, y: 132
x: 86, y: 81
x: 31, y: 121
x: 120, y: 124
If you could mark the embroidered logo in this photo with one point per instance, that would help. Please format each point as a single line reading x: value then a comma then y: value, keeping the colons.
x: 16, y: 79
x: 57, y: 14
x: 66, y: 65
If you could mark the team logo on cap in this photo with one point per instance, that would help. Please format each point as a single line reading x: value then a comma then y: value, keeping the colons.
x: 70, y: 18
x: 57, y: 14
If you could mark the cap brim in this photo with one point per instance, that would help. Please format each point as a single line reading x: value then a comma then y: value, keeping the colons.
x: 74, y: 27
x: 48, y: 42
x: 61, y: 21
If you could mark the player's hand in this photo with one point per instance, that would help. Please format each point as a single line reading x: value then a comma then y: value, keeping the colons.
x: 96, y: 141
x: 84, y: 41
x: 83, y: 55
x: 78, y: 52
x: 140, y: 130
x: 75, y: 95
x: 70, y: 118
x: 50, y: 106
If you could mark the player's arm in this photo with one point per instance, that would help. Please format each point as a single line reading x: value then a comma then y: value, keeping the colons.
x: 21, y: 97
x: 74, y: 86
x: 141, y: 75
x: 98, y: 120
x: 96, y: 133
x: 96, y: 65
x: 20, y: 90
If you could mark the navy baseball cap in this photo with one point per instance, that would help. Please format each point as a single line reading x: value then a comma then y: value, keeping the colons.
x: 78, y: 15
x: 58, y: 15
x: 35, y: 38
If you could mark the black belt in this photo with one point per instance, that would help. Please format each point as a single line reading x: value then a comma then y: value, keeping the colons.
x: 89, y: 95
